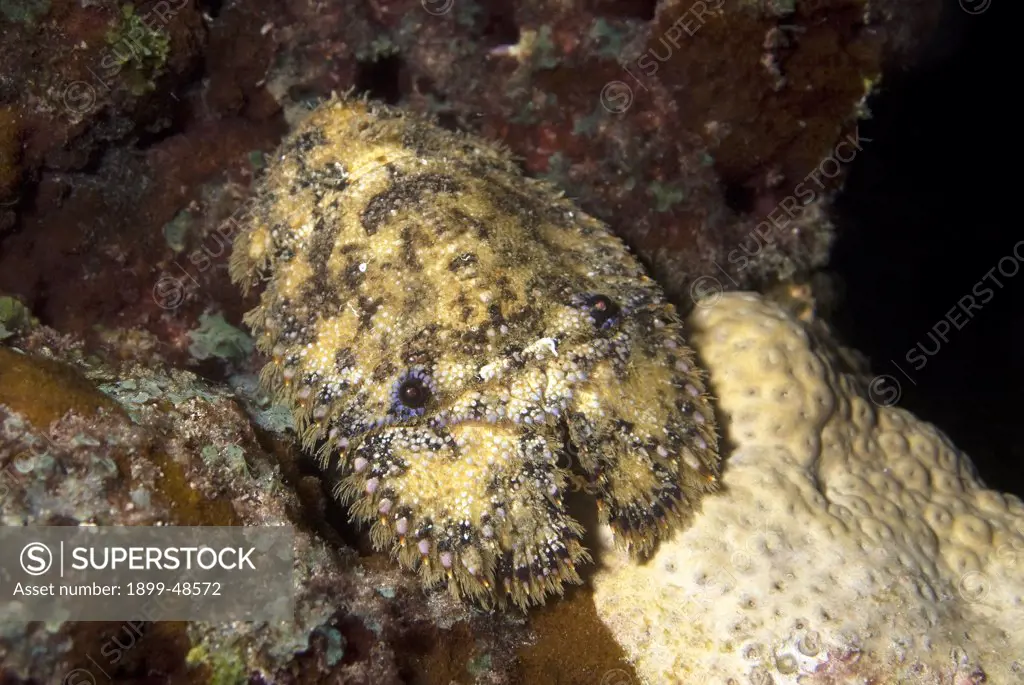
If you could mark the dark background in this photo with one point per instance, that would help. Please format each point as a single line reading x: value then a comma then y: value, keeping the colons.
x: 924, y: 216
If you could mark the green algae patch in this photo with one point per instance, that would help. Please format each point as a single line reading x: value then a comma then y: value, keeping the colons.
x: 43, y: 390
x: 143, y: 49
x: 176, y: 231
x: 334, y: 644
x: 217, y: 668
x: 215, y: 338
x: 14, y: 316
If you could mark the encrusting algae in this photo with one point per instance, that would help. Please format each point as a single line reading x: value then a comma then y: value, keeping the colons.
x: 460, y: 334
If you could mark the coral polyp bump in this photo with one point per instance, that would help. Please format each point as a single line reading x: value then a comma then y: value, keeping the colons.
x: 470, y: 344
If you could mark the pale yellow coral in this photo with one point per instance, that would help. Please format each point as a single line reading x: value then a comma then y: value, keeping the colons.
x: 851, y: 543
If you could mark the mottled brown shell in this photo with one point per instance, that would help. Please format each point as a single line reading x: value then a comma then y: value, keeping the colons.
x: 463, y: 337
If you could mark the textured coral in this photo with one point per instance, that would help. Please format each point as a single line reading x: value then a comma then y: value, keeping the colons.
x: 850, y: 542
x: 455, y: 329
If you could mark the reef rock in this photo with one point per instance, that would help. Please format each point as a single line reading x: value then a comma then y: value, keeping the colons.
x: 851, y: 541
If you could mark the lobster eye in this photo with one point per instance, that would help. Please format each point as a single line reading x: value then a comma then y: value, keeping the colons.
x: 602, y: 309
x: 411, y: 392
